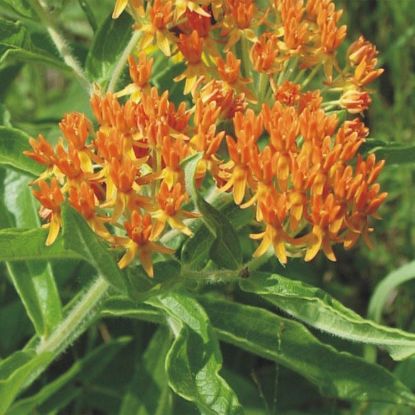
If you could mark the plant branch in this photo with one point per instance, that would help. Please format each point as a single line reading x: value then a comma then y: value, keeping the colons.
x: 122, y: 61
x: 77, y: 319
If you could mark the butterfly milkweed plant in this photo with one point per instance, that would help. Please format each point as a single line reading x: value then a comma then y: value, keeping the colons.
x: 181, y: 183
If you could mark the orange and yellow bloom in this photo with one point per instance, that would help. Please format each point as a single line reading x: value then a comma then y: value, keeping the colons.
x: 264, y: 91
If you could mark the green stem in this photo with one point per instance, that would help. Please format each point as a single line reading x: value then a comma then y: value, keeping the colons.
x: 211, y: 275
x: 311, y: 76
x: 123, y: 60
x: 262, y: 87
x: 60, y: 42
x: 228, y: 275
x: 76, y: 321
x: 246, y: 61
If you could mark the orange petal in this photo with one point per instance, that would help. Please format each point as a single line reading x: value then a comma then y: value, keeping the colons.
x: 129, y: 255
x: 279, y: 249
x: 120, y: 6
x: 158, y: 228
x: 315, y: 245
x: 54, y: 227
x: 163, y: 43
x: 327, y: 249
x: 179, y: 225
x: 146, y: 262
x: 239, y: 187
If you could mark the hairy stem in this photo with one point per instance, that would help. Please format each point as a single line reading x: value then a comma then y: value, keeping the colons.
x: 60, y: 42
x: 77, y: 319
x: 123, y: 60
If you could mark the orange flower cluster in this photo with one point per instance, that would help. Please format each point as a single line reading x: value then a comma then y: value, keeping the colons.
x: 269, y: 112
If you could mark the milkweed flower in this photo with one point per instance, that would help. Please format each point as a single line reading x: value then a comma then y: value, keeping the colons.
x: 263, y: 93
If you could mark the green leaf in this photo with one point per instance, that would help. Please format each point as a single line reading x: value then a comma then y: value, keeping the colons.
x: 33, y: 281
x: 89, y: 14
x: 387, y: 287
x: 318, y: 309
x: 4, y: 115
x: 116, y: 307
x: 225, y: 250
x: 78, y: 237
x: 149, y: 392
x: 140, y: 287
x: 55, y: 394
x: 19, y: 43
x: 107, y: 46
x: 393, y: 153
x: 336, y: 374
x: 195, y: 250
x: 77, y: 242
x: 12, y: 144
x: 194, y: 360
x: 14, y: 373
x: 7, y: 75
x: 396, y: 154
x: 29, y: 245
x: 21, y: 7
x: 287, y: 342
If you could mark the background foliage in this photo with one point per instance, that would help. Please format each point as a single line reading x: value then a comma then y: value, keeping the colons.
x: 274, y: 364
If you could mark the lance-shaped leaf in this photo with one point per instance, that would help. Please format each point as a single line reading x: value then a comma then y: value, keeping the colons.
x: 14, y: 372
x: 387, y: 287
x: 12, y: 144
x: 27, y: 43
x: 194, y: 360
x: 336, y: 374
x: 286, y: 342
x: 79, y: 237
x: 225, y: 250
x: 148, y: 392
x: 107, y: 46
x: 77, y: 242
x: 63, y: 389
x: 393, y: 153
x: 29, y: 245
x: 318, y: 309
x: 34, y: 281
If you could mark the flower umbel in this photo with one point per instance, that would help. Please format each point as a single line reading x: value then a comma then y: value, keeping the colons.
x: 272, y: 111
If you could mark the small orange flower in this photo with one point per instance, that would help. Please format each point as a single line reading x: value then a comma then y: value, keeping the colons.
x: 191, y: 47
x: 288, y: 93
x: 173, y: 152
x: 295, y: 28
x: 273, y: 211
x: 229, y: 70
x: 362, y: 56
x: 76, y: 127
x: 139, y: 229
x: 68, y: 162
x: 248, y: 129
x: 51, y: 198
x: 159, y: 18
x: 42, y: 151
x: 264, y: 53
x: 140, y: 73
x: 242, y: 12
x: 199, y: 22
x: 355, y: 101
x: 170, y: 211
